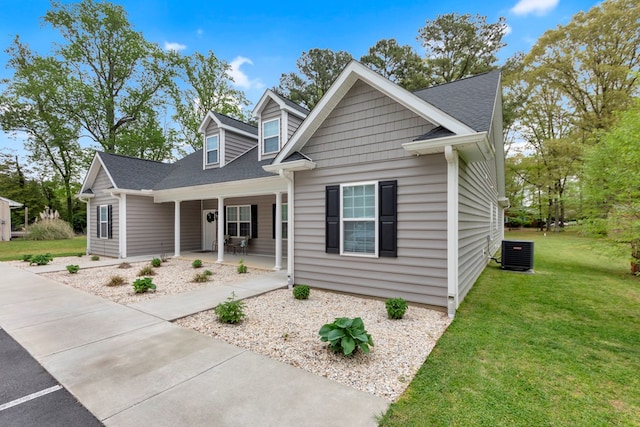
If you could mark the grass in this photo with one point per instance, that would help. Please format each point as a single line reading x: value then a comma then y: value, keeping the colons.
x: 559, y: 347
x: 14, y: 249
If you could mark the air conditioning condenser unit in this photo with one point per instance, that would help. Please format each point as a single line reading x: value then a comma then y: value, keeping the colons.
x: 517, y: 255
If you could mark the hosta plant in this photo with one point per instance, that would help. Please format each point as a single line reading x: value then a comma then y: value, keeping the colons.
x: 346, y: 335
x: 396, y: 307
x: 142, y: 285
x: 40, y: 259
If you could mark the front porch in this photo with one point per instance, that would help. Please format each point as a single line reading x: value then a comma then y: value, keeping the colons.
x: 262, y: 262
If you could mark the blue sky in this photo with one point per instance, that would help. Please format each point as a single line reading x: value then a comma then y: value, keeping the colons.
x: 262, y: 40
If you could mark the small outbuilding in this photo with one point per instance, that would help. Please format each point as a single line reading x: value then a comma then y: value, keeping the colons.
x: 5, y: 217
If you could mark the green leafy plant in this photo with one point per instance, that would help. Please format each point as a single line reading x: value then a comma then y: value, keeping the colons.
x: 396, y: 308
x: 156, y: 262
x: 345, y: 335
x: 73, y: 269
x: 80, y: 254
x: 200, y: 278
x: 95, y: 258
x: 40, y: 259
x: 301, y: 292
x: 231, y: 311
x: 116, y: 281
x: 146, y: 271
x: 197, y: 263
x: 241, y: 267
x: 207, y: 273
x: 124, y: 265
x: 26, y: 257
x: 142, y: 285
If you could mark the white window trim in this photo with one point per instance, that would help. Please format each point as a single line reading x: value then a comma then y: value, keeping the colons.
x: 206, y: 152
x: 237, y: 222
x: 106, y: 221
x: 262, y: 137
x: 375, y: 219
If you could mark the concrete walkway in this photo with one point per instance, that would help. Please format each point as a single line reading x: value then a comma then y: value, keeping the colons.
x: 131, y: 368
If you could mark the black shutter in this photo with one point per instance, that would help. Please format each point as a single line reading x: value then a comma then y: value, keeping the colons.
x: 388, y: 226
x: 332, y: 232
x: 110, y: 220
x: 98, y: 221
x: 273, y: 221
x: 254, y: 221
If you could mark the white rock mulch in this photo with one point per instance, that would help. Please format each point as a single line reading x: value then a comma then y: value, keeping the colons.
x: 283, y: 328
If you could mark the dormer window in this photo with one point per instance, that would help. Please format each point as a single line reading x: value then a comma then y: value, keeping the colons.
x: 213, y: 149
x: 271, y: 136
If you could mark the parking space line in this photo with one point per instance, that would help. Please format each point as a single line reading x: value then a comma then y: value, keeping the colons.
x: 30, y: 397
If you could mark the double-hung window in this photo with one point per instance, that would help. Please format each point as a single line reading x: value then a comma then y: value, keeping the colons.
x: 213, y: 149
x: 238, y: 221
x: 103, y: 222
x: 271, y: 136
x: 358, y: 222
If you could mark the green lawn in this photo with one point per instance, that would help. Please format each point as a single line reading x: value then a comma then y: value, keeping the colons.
x: 14, y: 249
x: 560, y: 347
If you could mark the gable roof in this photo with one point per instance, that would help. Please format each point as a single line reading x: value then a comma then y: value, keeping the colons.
x: 132, y: 173
x: 228, y: 123
x: 353, y: 72
x: 283, y: 102
x: 470, y: 100
x: 12, y: 204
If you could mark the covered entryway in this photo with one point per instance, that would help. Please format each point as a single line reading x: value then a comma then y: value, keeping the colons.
x: 209, y: 230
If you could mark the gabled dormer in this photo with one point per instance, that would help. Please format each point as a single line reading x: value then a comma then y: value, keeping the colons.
x: 278, y: 118
x: 225, y: 139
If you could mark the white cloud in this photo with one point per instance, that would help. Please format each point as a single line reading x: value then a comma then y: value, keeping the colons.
x: 538, y: 7
x: 176, y: 47
x: 240, y: 78
x: 507, y: 30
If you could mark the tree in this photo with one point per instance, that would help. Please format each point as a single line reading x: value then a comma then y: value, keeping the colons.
x: 113, y: 74
x: 318, y: 69
x: 207, y: 87
x: 400, y: 64
x: 612, y: 176
x: 458, y: 46
x: 30, y: 102
x: 594, y: 61
x: 18, y: 187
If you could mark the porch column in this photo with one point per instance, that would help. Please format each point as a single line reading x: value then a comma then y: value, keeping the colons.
x: 220, y: 222
x: 278, y: 222
x: 176, y: 229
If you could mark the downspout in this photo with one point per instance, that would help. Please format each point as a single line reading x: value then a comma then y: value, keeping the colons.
x: 86, y: 201
x: 288, y: 176
x: 452, y: 230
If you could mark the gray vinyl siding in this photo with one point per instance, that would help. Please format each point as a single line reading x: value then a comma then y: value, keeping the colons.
x: 236, y: 145
x: 190, y: 226
x: 361, y: 141
x: 104, y: 247
x: 149, y: 226
x: 476, y: 242
x: 293, y: 124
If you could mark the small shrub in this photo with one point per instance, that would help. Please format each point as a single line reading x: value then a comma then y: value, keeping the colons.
x: 231, y: 311
x: 241, y: 267
x: 95, y: 258
x: 200, y: 278
x: 40, y: 259
x: 146, y: 271
x: 156, y: 262
x: 346, y: 335
x: 73, y: 269
x: 26, y: 258
x: 142, y: 285
x: 116, y: 281
x: 207, y: 273
x: 301, y: 292
x: 396, y: 307
x: 80, y: 254
x: 124, y: 265
x: 50, y: 229
x: 197, y: 263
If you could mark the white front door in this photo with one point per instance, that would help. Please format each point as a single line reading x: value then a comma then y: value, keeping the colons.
x: 209, y: 229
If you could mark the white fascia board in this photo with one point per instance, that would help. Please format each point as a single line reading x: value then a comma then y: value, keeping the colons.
x: 249, y: 187
x: 146, y: 193
x: 210, y: 116
x: 356, y: 71
x: 472, y: 147
x: 296, y: 165
x: 92, y: 173
x: 84, y: 196
x: 205, y: 122
x: 264, y: 99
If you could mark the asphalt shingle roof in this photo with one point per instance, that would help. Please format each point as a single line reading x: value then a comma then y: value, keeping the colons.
x: 132, y: 173
x: 470, y: 100
x: 436, y: 132
x: 292, y: 104
x: 230, y: 121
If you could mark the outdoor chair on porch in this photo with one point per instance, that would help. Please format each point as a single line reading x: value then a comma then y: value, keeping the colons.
x: 237, y: 244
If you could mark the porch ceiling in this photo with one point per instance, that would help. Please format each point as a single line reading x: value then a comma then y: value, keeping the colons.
x: 250, y: 187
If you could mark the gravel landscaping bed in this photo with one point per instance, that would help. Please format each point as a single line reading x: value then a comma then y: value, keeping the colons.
x: 283, y: 328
